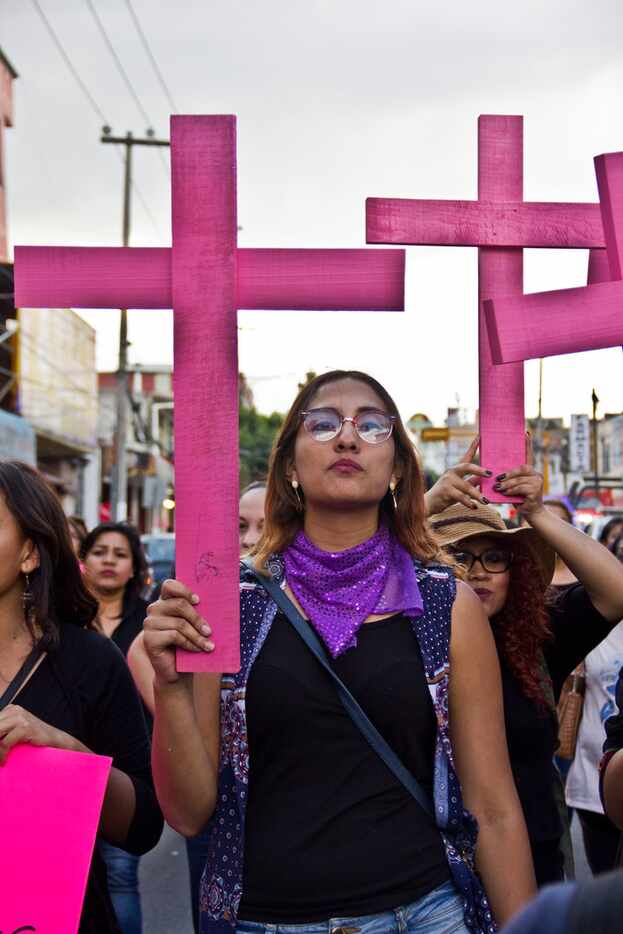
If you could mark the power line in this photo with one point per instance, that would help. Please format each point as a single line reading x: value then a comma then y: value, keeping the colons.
x: 125, y: 77
x: 93, y: 104
x: 118, y: 63
x: 151, y: 57
x: 68, y: 62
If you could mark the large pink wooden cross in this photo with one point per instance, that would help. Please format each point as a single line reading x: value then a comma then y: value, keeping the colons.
x: 500, y: 224
x: 570, y: 320
x: 205, y: 278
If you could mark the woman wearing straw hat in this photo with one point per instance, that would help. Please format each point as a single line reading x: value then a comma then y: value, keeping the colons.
x: 539, y: 642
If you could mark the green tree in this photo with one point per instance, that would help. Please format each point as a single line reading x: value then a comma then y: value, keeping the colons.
x: 257, y: 433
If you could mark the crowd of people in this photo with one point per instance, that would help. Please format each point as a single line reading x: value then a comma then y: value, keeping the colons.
x: 387, y: 758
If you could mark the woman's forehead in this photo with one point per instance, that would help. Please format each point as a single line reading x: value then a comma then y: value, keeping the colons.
x: 112, y: 540
x: 347, y: 394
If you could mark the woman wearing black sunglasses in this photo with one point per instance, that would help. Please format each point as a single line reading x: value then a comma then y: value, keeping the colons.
x: 540, y: 637
x: 308, y: 826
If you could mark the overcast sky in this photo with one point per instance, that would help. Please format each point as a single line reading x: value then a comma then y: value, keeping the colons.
x: 336, y: 100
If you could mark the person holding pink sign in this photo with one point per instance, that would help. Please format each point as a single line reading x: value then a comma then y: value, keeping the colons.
x: 333, y: 770
x: 62, y: 684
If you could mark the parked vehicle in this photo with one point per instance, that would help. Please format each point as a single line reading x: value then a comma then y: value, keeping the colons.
x: 160, y: 552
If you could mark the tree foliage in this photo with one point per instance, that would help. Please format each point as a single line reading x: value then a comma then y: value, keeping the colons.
x: 257, y: 433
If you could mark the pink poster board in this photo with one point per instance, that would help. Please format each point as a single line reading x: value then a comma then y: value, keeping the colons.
x: 50, y: 804
x: 205, y: 278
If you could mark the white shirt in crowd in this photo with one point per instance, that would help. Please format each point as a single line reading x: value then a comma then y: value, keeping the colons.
x: 602, y: 670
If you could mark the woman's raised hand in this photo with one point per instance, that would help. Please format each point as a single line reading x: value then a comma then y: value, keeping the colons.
x: 524, y: 481
x: 174, y: 622
x: 459, y: 484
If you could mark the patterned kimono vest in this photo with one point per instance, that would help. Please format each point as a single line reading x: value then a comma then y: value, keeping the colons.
x: 221, y: 887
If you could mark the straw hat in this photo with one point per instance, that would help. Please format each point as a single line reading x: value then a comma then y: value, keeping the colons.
x: 459, y: 523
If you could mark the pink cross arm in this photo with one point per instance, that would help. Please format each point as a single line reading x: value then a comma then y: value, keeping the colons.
x: 321, y: 280
x: 569, y: 320
x: 483, y: 223
x: 92, y: 277
x: 205, y: 278
x: 118, y: 277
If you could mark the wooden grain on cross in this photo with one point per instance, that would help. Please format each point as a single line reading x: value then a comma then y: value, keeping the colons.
x: 562, y: 321
x: 205, y: 278
x: 500, y: 223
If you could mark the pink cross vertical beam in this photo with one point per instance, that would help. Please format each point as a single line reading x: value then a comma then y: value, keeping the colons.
x: 205, y: 278
x: 564, y: 321
x: 500, y: 224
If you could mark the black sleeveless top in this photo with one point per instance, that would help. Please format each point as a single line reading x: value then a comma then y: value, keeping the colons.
x: 329, y: 831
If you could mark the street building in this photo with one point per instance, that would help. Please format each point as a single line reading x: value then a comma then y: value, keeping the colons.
x: 150, y: 495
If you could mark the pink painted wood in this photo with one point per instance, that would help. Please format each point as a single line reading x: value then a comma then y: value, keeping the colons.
x: 205, y: 278
x: 499, y: 223
x: 500, y: 272
x: 97, y: 277
x: 484, y: 223
x: 569, y: 320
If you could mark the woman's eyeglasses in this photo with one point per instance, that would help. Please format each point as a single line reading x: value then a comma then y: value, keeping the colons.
x: 493, y: 560
x: 326, y: 424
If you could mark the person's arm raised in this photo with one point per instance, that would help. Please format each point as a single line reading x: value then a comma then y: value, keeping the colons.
x: 481, y: 755
x: 595, y: 567
x: 459, y: 484
x: 185, y: 748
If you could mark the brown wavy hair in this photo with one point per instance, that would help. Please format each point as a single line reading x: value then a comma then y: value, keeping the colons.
x: 522, y: 628
x: 283, y: 517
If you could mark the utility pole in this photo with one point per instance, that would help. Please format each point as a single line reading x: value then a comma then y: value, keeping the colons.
x: 595, y: 458
x: 119, y: 494
x: 539, y: 423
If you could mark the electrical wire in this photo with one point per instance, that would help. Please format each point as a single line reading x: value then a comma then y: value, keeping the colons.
x: 151, y: 57
x: 94, y: 106
x: 111, y: 48
x: 57, y: 42
x: 118, y: 63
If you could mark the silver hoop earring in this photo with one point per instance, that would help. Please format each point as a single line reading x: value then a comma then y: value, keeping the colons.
x: 299, y: 500
x: 392, y: 488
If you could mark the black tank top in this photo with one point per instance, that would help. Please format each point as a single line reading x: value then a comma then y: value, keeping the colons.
x: 329, y: 831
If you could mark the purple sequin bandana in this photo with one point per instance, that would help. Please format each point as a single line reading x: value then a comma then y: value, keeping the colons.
x: 338, y: 590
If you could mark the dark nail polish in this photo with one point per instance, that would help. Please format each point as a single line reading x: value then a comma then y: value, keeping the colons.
x: 502, y: 476
x: 497, y: 487
x: 485, y: 500
x: 488, y: 473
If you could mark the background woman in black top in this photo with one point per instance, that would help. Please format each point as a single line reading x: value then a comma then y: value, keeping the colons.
x: 81, y: 695
x: 115, y: 570
x: 538, y: 643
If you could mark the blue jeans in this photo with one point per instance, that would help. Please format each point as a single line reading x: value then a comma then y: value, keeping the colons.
x: 439, y: 912
x: 197, y: 852
x: 122, y: 873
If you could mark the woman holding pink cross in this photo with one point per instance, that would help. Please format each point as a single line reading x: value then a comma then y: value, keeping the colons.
x: 333, y: 771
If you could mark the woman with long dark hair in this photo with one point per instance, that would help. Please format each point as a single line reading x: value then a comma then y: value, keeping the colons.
x: 78, y: 694
x: 309, y: 827
x: 539, y: 640
x: 115, y: 571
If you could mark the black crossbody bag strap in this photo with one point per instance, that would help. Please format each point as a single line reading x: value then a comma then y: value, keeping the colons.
x: 359, y: 718
x: 20, y: 677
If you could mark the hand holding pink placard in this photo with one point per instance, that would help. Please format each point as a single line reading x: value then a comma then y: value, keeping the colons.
x: 50, y: 804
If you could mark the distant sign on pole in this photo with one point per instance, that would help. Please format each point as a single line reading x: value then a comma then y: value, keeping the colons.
x: 434, y: 434
x: 580, y: 444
